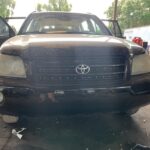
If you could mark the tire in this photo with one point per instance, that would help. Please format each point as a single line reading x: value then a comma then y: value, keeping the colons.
x: 10, y: 119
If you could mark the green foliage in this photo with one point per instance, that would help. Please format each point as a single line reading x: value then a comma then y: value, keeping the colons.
x: 131, y: 13
x: 6, y: 7
x: 55, y: 5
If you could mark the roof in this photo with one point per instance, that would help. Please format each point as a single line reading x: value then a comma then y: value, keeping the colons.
x: 65, y: 12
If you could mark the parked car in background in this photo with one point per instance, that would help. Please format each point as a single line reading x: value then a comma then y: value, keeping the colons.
x: 71, y: 63
x: 141, y: 32
x: 5, y: 31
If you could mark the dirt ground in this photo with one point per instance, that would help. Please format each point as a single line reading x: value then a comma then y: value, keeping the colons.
x: 79, y: 132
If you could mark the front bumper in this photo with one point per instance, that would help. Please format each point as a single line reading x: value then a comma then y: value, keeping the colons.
x: 20, y: 99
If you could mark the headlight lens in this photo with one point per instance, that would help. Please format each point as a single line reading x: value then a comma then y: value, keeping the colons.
x: 12, y: 66
x: 141, y: 64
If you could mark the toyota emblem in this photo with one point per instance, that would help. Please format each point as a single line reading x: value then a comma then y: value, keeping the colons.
x: 82, y: 69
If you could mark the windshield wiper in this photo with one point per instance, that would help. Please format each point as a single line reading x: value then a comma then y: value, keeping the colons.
x: 34, y: 32
x: 62, y: 32
x: 80, y: 32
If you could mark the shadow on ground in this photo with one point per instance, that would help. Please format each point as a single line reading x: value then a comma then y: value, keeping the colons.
x: 79, y: 132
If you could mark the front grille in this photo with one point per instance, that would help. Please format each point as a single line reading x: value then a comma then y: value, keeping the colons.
x: 56, y: 69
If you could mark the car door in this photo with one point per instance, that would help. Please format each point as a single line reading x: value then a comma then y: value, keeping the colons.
x: 114, y: 27
x: 5, y: 31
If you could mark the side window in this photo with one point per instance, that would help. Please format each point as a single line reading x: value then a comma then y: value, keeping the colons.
x: 4, y: 30
x: 113, y: 26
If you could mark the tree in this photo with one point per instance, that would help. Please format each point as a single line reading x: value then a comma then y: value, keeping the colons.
x: 55, y: 5
x: 131, y: 13
x: 6, y: 7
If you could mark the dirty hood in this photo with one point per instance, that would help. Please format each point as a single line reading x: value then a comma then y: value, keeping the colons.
x: 20, y: 43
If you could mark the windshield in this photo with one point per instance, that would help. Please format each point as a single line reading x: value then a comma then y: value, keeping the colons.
x: 63, y: 23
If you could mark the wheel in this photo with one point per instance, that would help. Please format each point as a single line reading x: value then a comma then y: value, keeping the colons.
x: 10, y: 119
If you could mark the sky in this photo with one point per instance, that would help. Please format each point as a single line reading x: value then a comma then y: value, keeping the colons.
x: 97, y: 7
x: 24, y: 7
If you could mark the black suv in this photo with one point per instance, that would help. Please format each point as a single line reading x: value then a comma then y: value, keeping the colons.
x: 70, y: 62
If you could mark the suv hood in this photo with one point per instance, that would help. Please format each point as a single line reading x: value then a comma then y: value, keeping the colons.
x: 20, y: 43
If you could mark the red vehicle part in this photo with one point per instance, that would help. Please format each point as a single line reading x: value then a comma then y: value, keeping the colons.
x: 138, y: 41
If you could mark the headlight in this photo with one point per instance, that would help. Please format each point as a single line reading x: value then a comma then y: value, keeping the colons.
x: 141, y: 64
x: 12, y: 66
